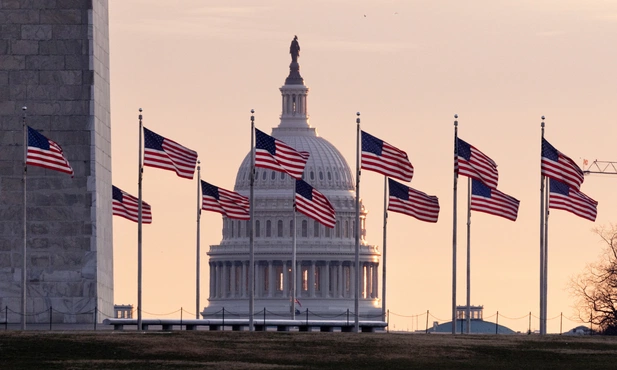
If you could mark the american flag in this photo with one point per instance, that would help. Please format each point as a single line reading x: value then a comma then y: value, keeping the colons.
x: 276, y: 155
x: 473, y: 163
x: 411, y: 202
x: 163, y: 153
x: 560, y: 167
x: 381, y: 157
x: 126, y: 205
x: 314, y: 204
x: 569, y: 199
x: 46, y: 153
x: 492, y: 201
x: 226, y: 202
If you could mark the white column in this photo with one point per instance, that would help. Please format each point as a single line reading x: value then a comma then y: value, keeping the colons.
x: 233, y: 279
x: 375, y: 280
x: 289, y: 103
x: 211, y: 295
x: 225, y: 279
x: 285, y: 279
x: 362, y: 285
x: 299, y: 279
x: 325, y: 290
x: 219, y: 277
x: 311, y: 280
x: 340, y: 279
x: 259, y: 279
x: 352, y: 280
x: 369, y: 280
x: 243, y: 280
x: 270, y: 278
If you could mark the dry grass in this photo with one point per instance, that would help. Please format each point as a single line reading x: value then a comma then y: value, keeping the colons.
x: 272, y: 350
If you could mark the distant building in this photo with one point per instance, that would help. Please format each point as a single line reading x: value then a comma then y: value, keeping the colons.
x: 581, y: 330
x: 123, y: 311
x: 477, y: 324
x: 325, y: 267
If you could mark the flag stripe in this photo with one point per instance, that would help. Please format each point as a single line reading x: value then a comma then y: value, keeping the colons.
x: 493, y: 201
x: 558, y: 166
x: 46, y: 153
x: 166, y: 154
x: 411, y: 202
x: 312, y: 203
x: 383, y: 158
x: 473, y: 163
x: 275, y: 155
x: 569, y: 199
x: 126, y: 205
x: 226, y: 202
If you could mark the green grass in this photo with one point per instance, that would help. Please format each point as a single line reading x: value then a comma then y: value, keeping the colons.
x: 272, y: 350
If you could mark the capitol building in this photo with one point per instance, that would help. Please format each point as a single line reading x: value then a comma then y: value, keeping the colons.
x: 325, y: 264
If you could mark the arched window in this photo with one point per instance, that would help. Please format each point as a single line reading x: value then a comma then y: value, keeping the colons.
x: 316, y: 229
x: 304, y: 228
x: 312, y: 175
x: 291, y: 228
x: 320, y: 175
x: 247, y: 228
x: 239, y: 229
x: 282, y: 175
x: 268, y: 228
x: 273, y: 175
x: 346, y: 231
x: 338, y: 229
x: 231, y: 234
x: 329, y: 176
x: 257, y: 230
x: 279, y: 228
x: 328, y: 232
x: 263, y: 175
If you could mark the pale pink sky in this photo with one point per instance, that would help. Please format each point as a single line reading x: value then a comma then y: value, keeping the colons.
x: 197, y: 68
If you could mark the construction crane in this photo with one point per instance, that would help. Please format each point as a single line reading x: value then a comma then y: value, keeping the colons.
x: 601, y: 167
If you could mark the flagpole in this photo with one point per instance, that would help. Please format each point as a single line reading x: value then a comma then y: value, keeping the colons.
x: 385, y: 229
x: 139, y: 221
x: 252, y: 223
x: 357, y: 231
x: 293, y: 256
x: 23, y: 268
x: 197, y: 272
x: 468, y: 310
x: 454, y: 227
x: 542, y: 231
x: 547, y: 193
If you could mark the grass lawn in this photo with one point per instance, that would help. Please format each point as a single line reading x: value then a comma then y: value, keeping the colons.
x: 274, y: 350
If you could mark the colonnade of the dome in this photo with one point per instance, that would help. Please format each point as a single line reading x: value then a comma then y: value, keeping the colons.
x: 282, y: 227
x: 314, y: 279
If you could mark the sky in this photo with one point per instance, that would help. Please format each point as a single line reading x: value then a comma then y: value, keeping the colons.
x: 197, y: 68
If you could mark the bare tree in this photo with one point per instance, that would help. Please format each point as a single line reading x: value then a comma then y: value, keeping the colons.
x: 596, y: 287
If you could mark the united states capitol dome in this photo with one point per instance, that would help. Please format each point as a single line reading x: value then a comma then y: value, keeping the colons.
x: 322, y: 276
x: 326, y: 169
